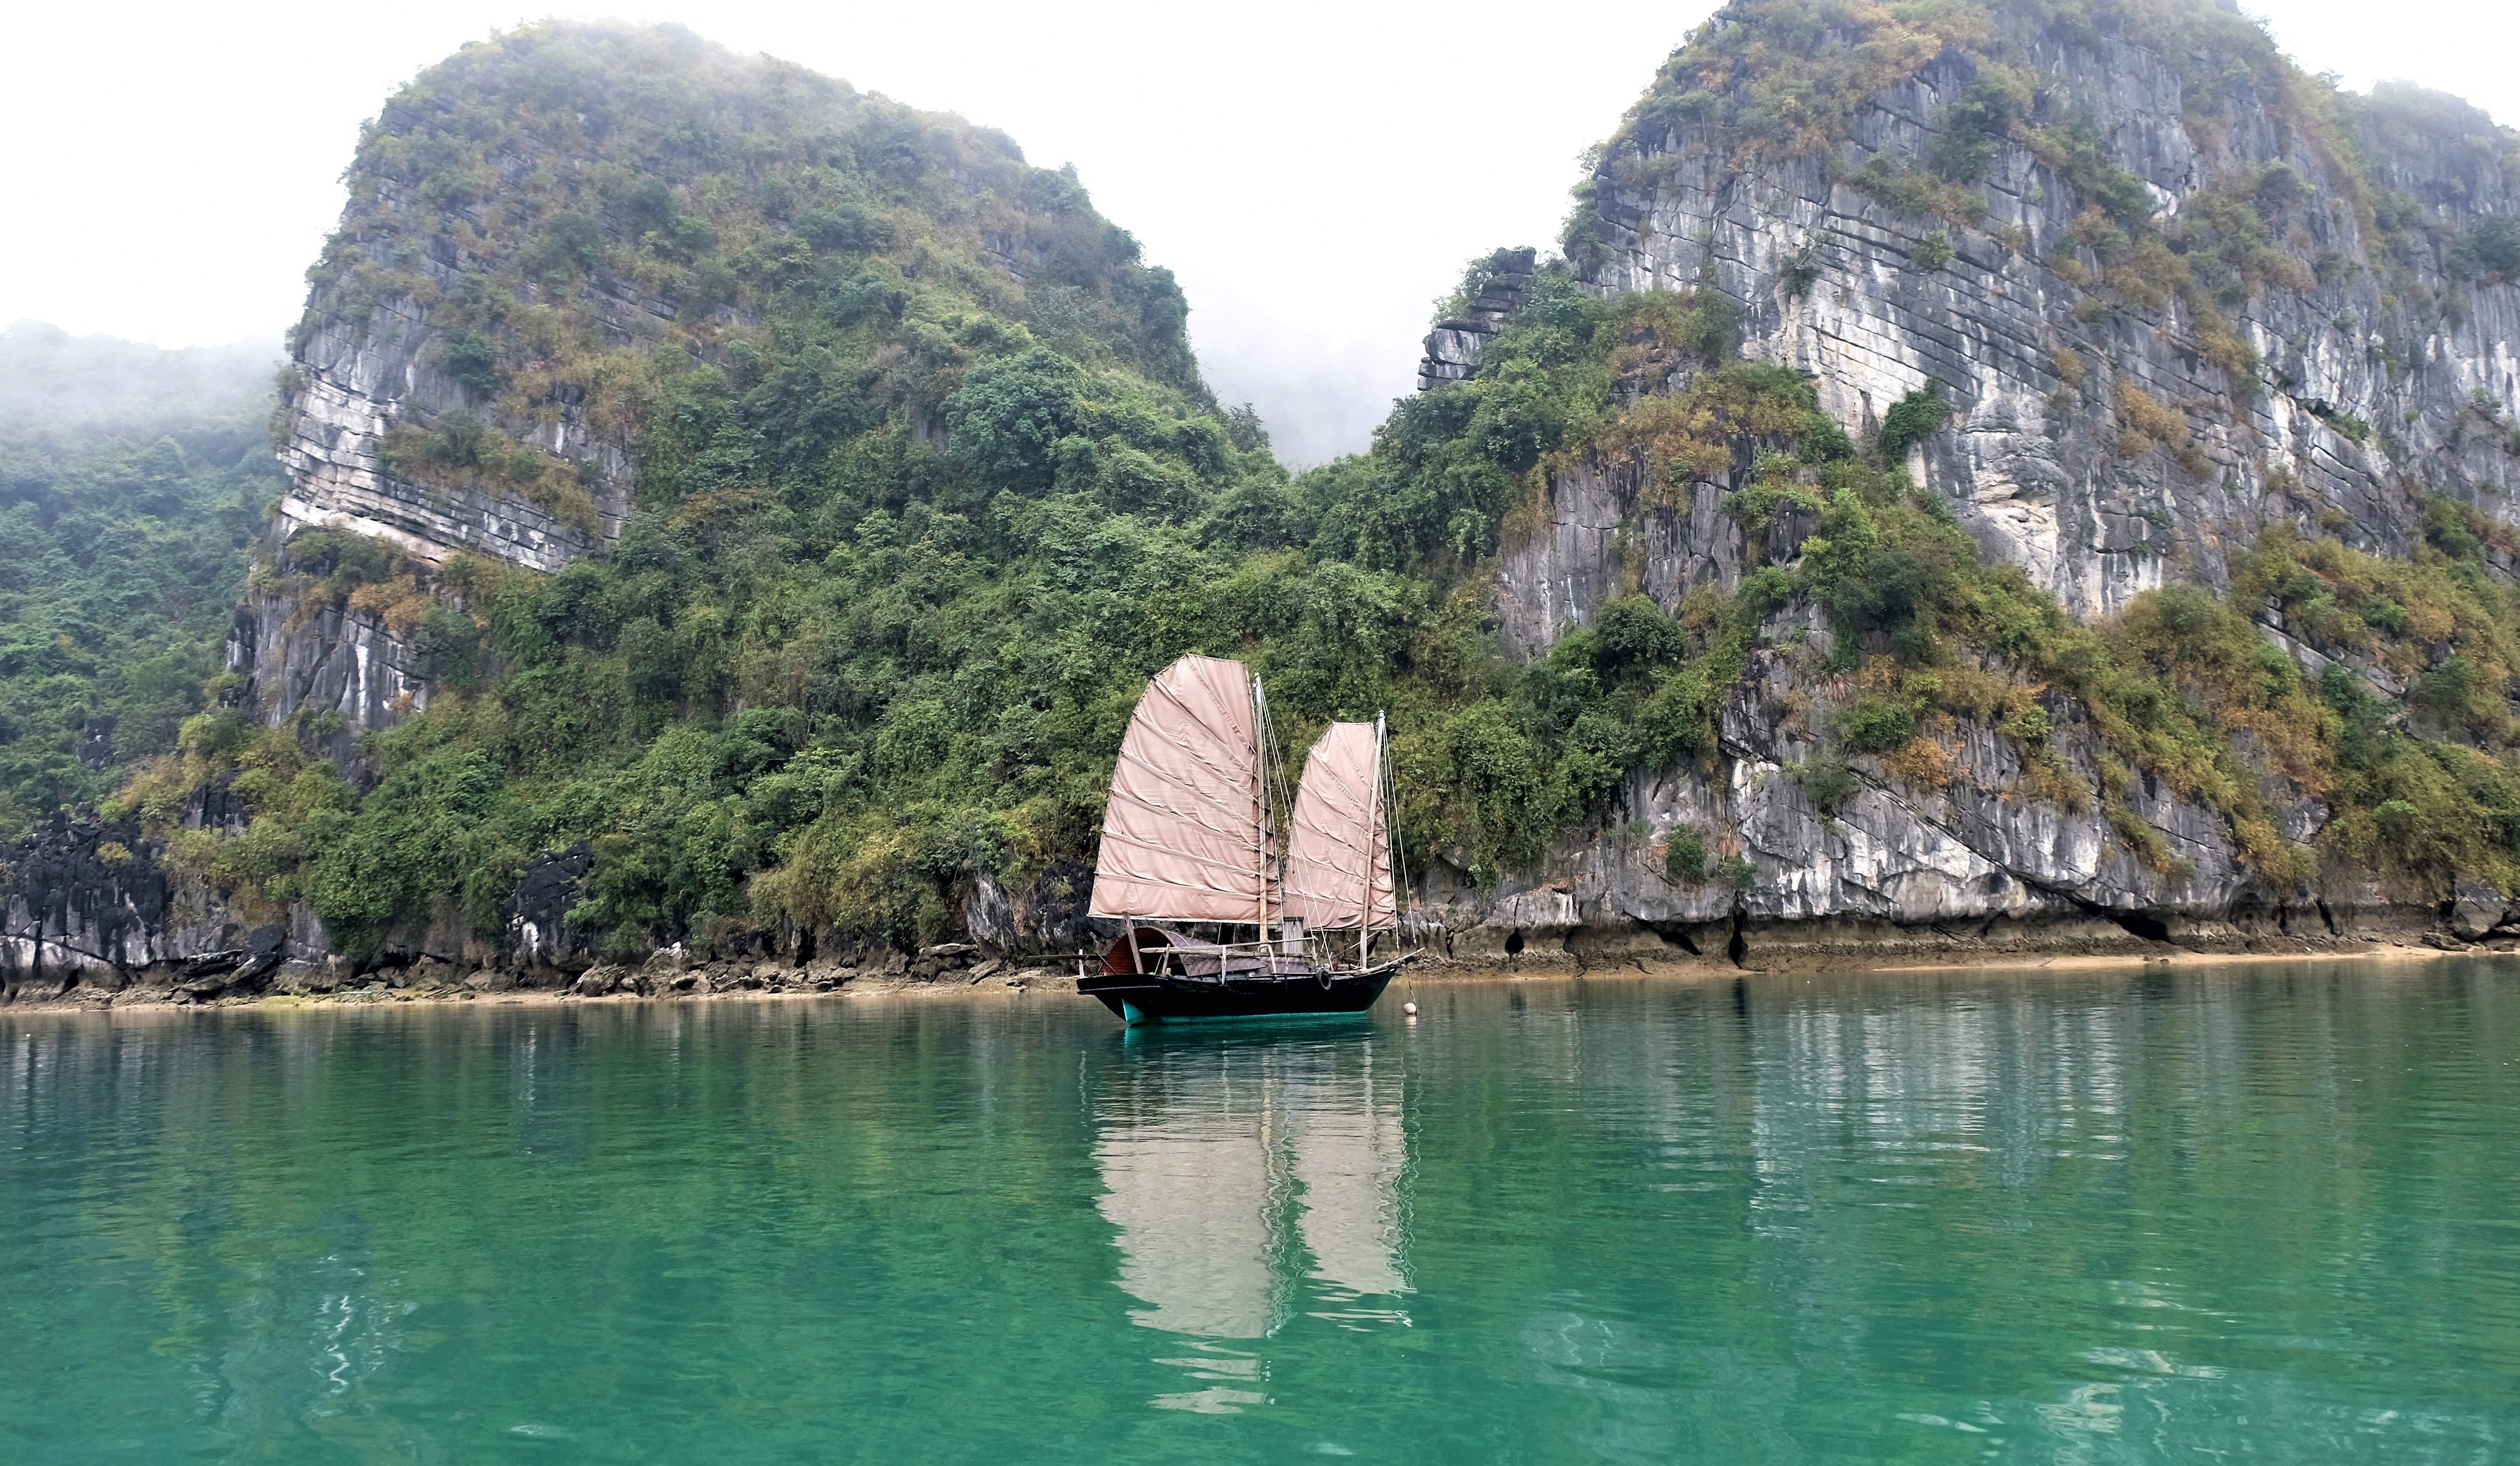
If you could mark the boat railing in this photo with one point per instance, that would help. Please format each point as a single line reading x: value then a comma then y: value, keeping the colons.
x: 1295, y: 956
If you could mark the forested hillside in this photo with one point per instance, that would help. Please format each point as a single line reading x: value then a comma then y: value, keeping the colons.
x: 131, y: 482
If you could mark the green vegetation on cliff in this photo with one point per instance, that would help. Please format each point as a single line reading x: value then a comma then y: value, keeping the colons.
x: 1786, y: 78
x: 753, y: 725
x: 710, y: 254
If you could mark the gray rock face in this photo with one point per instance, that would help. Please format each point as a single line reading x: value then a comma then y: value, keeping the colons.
x: 324, y: 659
x: 1549, y: 581
x: 358, y: 375
x: 2033, y: 463
x: 539, y: 932
x: 1453, y: 348
x: 362, y: 374
x: 96, y: 909
x: 2475, y: 909
x: 83, y: 902
x: 91, y: 908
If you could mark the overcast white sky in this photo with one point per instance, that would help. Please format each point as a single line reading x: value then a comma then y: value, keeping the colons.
x: 1316, y: 173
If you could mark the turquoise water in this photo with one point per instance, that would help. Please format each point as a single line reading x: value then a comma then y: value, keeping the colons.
x: 2267, y: 1214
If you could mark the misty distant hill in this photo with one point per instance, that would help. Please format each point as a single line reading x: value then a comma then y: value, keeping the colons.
x: 51, y: 379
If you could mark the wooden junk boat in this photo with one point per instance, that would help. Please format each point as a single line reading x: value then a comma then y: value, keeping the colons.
x: 1191, y: 836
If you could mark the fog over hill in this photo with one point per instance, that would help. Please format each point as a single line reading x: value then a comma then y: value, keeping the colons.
x: 51, y: 379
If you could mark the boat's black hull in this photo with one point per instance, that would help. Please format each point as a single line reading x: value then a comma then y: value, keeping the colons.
x: 1138, y: 997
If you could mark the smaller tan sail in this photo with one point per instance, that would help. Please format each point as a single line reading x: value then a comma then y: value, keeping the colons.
x: 1338, y: 855
x: 1187, y: 835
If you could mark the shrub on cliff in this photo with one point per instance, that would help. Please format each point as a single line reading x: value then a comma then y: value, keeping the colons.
x: 1911, y: 419
x: 2490, y: 249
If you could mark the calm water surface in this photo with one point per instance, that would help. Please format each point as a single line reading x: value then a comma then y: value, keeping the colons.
x: 2265, y: 1213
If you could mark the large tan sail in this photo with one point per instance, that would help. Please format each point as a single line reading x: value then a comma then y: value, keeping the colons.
x: 1338, y: 854
x: 1186, y: 836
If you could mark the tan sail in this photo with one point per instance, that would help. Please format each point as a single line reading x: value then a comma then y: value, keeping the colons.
x: 1186, y: 836
x: 1338, y: 855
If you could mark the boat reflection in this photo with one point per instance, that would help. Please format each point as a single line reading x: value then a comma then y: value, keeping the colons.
x: 1251, y: 1181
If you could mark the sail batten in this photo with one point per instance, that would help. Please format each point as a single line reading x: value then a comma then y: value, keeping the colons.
x: 1186, y: 836
x: 1338, y: 857
x: 1234, y: 813
x: 1235, y: 879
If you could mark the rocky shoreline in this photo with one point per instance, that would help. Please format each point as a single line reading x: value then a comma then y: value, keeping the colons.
x: 963, y: 971
x: 82, y: 930
x: 249, y: 976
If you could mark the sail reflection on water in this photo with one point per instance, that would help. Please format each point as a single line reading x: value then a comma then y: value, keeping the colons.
x: 1249, y: 1182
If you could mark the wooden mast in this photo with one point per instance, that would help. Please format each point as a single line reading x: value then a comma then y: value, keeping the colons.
x: 1374, y: 807
x: 1260, y: 798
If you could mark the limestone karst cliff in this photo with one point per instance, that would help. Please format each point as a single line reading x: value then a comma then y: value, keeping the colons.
x: 2173, y: 294
x: 534, y: 247
x: 2028, y: 478
x: 2173, y: 290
